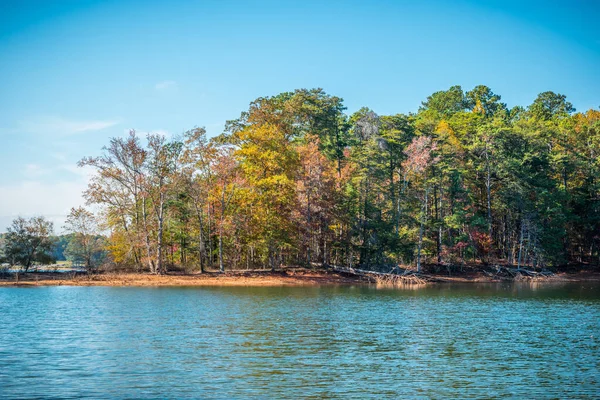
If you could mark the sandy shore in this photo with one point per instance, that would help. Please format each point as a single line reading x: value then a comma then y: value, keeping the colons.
x: 254, y: 278
x: 285, y: 278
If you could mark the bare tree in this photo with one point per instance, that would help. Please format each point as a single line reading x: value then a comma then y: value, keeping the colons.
x: 86, y: 244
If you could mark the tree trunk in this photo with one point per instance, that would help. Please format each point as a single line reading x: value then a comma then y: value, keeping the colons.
x: 437, y: 218
x: 201, y: 244
x: 521, y: 244
x: 221, y: 267
x: 310, y: 232
x: 147, y: 237
x: 421, y: 229
x: 210, y: 260
x: 488, y: 187
x: 159, y: 252
x: 393, y: 192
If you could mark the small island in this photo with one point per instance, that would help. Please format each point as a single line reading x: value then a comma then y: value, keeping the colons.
x: 466, y: 189
x: 299, y: 199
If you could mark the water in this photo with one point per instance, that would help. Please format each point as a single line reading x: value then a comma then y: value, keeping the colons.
x: 293, y: 342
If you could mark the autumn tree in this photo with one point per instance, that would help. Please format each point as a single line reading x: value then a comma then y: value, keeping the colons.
x: 227, y: 181
x: 86, y: 245
x: 119, y: 188
x: 316, y: 194
x: 420, y: 157
x: 133, y: 184
x: 197, y: 178
x: 162, y: 172
x: 294, y: 180
x: 269, y: 161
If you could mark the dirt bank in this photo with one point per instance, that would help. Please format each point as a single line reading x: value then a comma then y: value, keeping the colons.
x: 291, y: 277
x: 267, y: 278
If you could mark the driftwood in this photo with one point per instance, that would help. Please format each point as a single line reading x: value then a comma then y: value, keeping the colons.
x: 521, y: 273
x: 406, y: 278
x: 399, y: 277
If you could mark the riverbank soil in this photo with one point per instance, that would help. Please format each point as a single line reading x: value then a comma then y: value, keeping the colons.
x: 295, y: 277
x: 285, y: 277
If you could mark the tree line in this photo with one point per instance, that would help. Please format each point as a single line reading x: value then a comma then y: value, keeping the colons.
x: 297, y: 181
x: 31, y: 242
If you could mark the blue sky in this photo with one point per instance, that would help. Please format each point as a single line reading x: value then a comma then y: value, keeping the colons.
x: 75, y: 73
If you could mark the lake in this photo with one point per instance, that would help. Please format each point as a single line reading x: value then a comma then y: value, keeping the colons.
x: 446, y: 341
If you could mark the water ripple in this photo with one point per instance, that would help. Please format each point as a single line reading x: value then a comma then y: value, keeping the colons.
x: 443, y: 342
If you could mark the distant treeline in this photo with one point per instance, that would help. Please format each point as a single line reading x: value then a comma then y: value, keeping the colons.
x: 31, y: 242
x: 53, y: 253
x: 296, y: 181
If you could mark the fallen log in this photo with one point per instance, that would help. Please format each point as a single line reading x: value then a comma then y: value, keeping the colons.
x: 406, y: 278
x: 521, y: 273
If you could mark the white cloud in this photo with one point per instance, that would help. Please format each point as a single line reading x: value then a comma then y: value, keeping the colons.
x: 58, y: 126
x: 85, y: 172
x: 49, y: 191
x: 53, y: 171
x: 59, y: 156
x: 29, y: 198
x: 164, y: 85
x: 34, y: 171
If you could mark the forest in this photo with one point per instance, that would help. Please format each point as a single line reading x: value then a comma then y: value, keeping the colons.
x: 296, y: 181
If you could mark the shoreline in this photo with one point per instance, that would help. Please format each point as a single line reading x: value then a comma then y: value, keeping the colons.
x: 288, y: 277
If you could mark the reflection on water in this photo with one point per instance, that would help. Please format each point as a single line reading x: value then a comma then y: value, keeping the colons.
x: 488, y: 340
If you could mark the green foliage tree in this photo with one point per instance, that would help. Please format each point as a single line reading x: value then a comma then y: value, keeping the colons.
x: 482, y: 100
x: 28, y: 241
x: 549, y: 104
x: 446, y: 102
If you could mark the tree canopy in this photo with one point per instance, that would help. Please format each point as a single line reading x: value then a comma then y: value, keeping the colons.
x: 297, y: 181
